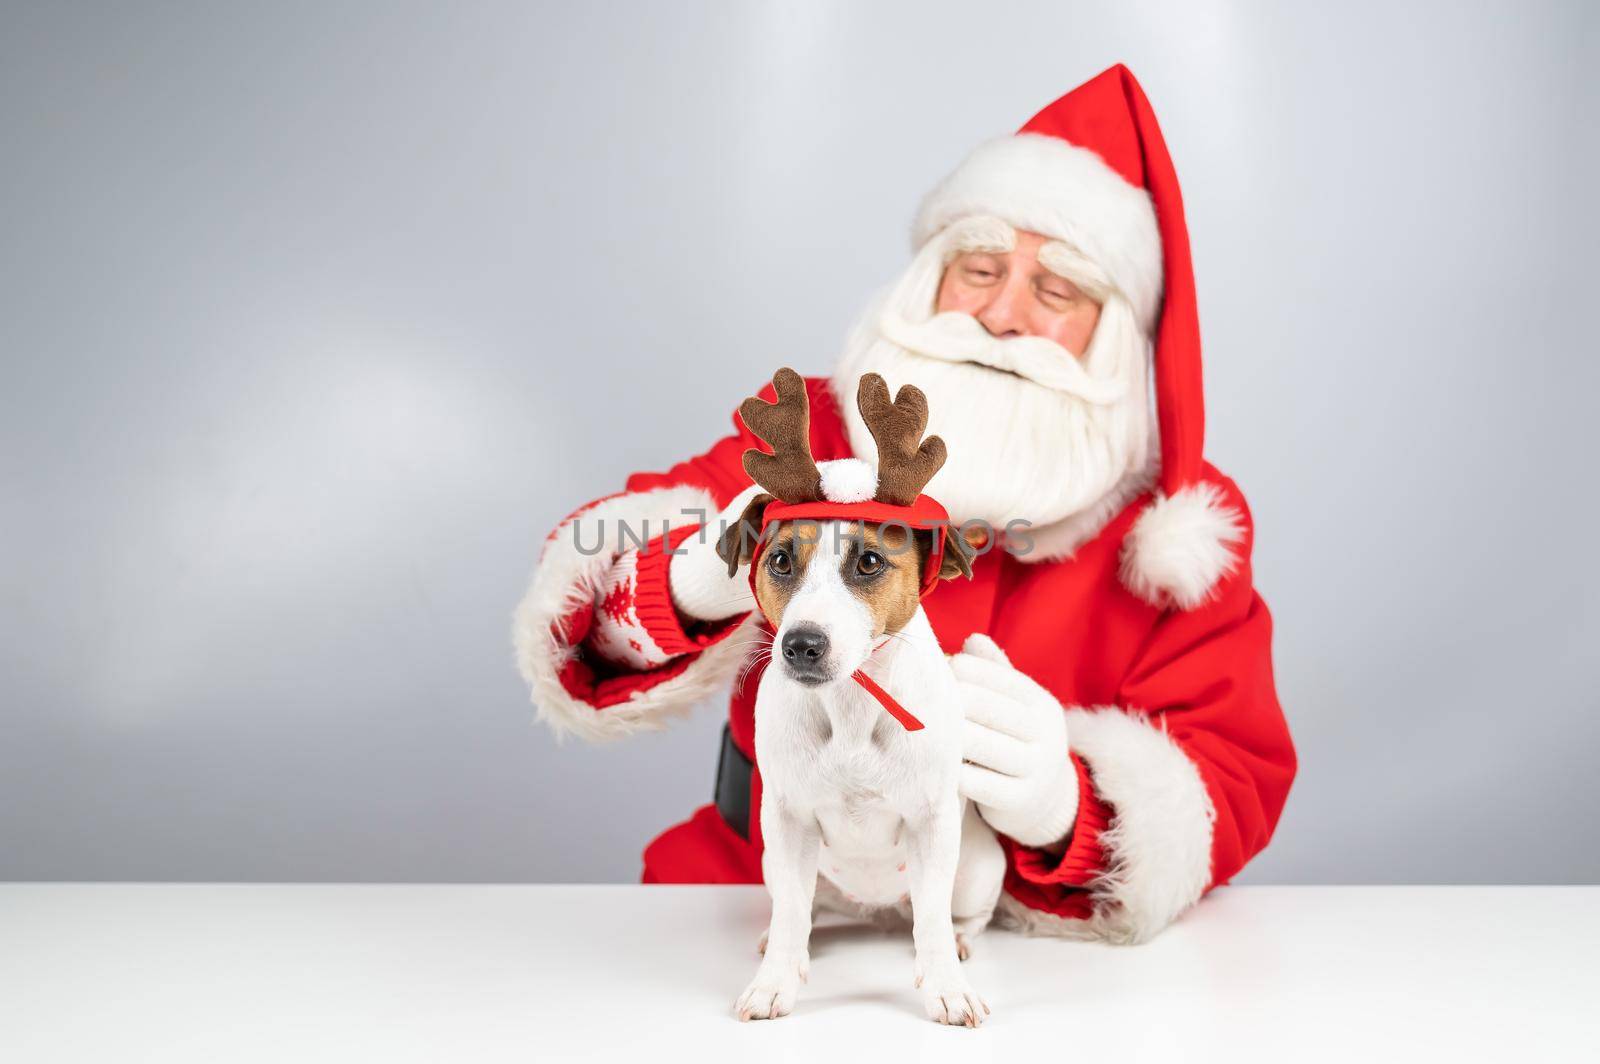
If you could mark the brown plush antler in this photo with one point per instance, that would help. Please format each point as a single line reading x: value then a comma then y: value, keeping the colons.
x: 906, y: 462
x: 789, y: 472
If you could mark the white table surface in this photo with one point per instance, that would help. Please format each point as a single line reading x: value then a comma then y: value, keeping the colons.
x: 473, y: 973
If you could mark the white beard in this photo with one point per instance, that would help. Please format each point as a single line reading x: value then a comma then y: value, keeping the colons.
x: 1034, y: 434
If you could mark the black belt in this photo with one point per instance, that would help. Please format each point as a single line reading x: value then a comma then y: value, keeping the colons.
x: 734, y: 772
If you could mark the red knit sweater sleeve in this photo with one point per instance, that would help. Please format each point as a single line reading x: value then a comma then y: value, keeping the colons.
x: 643, y: 640
x: 1058, y: 882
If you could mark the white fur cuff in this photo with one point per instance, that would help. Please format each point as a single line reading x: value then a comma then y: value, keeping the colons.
x: 1158, y: 845
x: 571, y: 570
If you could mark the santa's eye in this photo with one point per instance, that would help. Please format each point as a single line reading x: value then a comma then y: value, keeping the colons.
x: 1056, y: 291
x: 870, y: 563
x: 779, y: 563
x: 980, y: 268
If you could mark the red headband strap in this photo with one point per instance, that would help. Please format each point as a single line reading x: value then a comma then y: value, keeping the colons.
x: 923, y: 513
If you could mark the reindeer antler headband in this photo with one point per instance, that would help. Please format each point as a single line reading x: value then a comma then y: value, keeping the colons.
x: 795, y: 488
x: 906, y: 462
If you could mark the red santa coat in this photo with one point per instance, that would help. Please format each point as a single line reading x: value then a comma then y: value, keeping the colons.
x: 1172, y: 714
x: 1150, y: 632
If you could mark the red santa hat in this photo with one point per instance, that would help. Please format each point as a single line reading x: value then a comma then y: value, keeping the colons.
x: 1092, y: 170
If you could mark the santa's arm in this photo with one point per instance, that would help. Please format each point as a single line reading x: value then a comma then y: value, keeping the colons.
x: 1184, y: 778
x: 626, y: 622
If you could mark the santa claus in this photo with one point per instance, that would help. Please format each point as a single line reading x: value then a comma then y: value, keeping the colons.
x: 1124, y: 737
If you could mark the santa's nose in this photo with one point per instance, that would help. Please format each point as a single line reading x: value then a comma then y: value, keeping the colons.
x: 1003, y: 317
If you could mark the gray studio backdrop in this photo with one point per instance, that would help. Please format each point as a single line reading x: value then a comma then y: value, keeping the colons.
x: 314, y: 318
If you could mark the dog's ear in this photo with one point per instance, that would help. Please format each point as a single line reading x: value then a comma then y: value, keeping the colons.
x: 738, y: 541
x: 958, y: 553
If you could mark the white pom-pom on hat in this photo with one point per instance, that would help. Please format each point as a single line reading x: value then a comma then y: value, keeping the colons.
x: 1181, y: 547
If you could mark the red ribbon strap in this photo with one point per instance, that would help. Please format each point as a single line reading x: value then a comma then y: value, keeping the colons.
x: 886, y: 700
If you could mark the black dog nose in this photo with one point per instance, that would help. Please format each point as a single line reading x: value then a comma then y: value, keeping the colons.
x: 805, y: 646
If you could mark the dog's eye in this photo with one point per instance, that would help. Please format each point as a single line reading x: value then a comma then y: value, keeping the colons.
x: 778, y: 561
x: 870, y: 563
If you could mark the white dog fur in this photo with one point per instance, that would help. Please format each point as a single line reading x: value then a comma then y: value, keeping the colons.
x: 873, y: 808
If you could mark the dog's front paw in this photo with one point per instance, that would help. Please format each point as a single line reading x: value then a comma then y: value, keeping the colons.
x: 773, y: 991
x: 948, y: 998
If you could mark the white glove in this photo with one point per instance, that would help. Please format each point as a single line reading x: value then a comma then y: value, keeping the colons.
x: 1018, y: 770
x: 698, y: 579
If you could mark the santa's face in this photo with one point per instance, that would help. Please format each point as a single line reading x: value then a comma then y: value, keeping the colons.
x: 1011, y: 293
x: 1036, y: 375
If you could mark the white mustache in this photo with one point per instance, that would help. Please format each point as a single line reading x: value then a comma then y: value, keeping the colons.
x: 957, y: 337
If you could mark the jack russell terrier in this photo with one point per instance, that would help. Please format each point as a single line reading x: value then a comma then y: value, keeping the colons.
x: 858, y: 719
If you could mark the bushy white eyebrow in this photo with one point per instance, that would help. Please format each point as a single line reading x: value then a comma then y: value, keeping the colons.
x: 986, y: 232
x: 1072, y: 265
x: 983, y: 232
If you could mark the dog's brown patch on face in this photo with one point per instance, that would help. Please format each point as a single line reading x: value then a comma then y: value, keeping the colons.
x: 881, y: 565
x: 883, y: 568
x: 783, y: 566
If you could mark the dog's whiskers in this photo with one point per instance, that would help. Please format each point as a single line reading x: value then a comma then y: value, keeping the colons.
x: 749, y: 664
